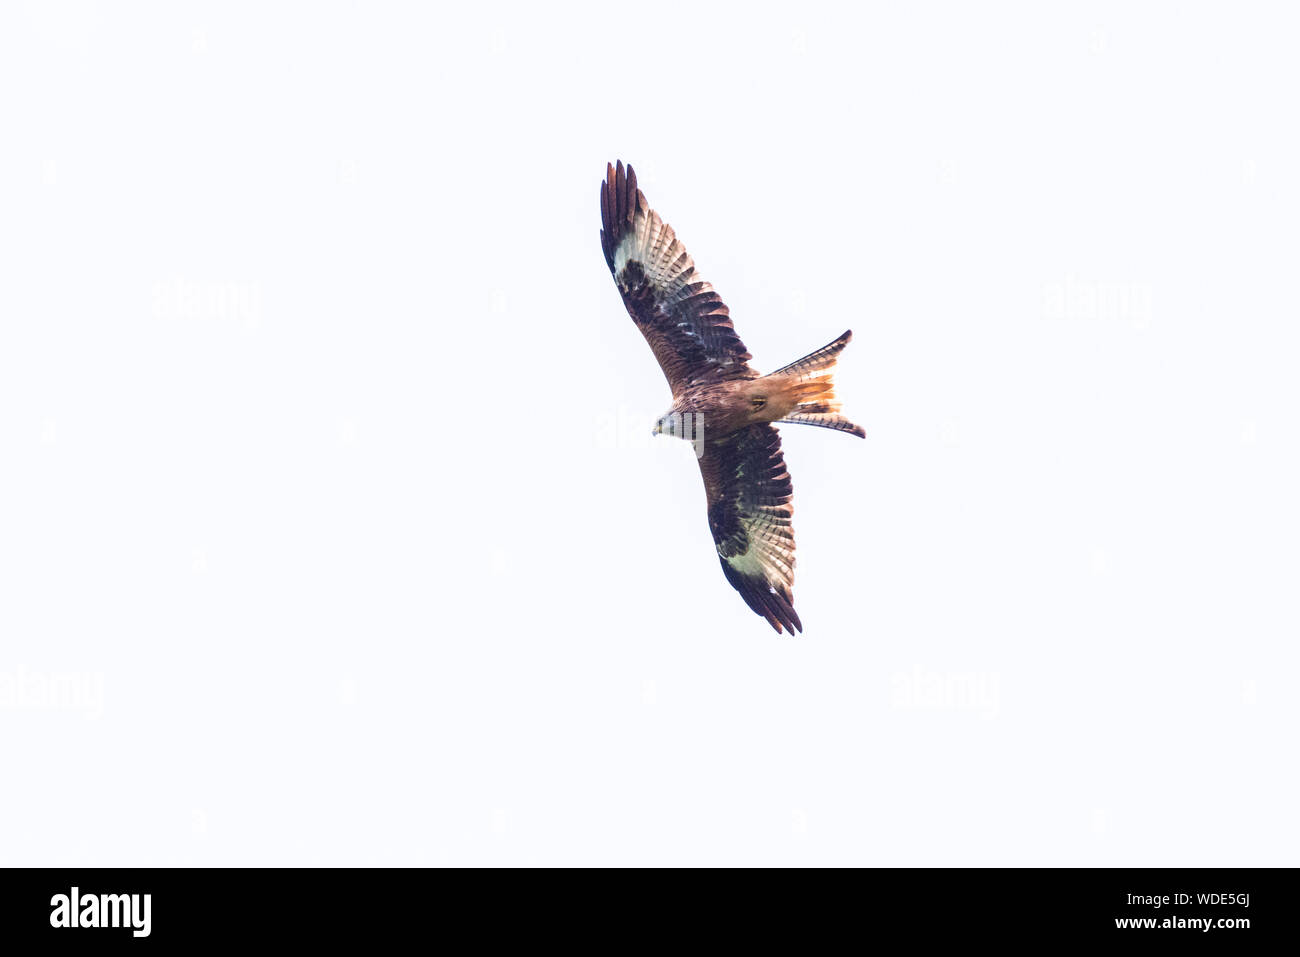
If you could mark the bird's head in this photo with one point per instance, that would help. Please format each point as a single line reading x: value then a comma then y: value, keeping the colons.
x: 683, y: 425
x: 668, y: 424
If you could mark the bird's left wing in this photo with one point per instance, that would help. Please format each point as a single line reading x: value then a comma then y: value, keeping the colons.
x: 686, y: 323
x: 749, y: 494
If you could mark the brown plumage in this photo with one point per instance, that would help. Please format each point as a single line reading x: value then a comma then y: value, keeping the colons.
x: 720, y: 403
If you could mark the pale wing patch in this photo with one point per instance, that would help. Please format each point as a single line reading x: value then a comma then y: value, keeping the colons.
x: 664, y: 262
x: 770, y: 554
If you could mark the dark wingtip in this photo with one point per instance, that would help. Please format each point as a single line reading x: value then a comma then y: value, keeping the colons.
x: 775, y: 608
x: 779, y: 611
x: 793, y: 626
x: 791, y: 617
x: 615, y: 213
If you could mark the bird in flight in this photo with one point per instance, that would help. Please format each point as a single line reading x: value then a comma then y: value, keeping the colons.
x: 720, y: 403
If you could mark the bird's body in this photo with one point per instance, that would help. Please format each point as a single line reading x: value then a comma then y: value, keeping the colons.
x: 727, y: 407
x: 720, y: 403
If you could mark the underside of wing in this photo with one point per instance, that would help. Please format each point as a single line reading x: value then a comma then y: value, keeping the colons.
x: 750, y: 511
x: 686, y: 323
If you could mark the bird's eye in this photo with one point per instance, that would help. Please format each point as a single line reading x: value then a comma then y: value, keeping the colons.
x: 759, y: 402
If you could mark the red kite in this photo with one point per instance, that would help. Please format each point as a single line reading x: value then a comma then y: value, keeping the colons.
x: 719, y: 401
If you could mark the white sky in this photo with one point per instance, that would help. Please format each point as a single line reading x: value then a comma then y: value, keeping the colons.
x: 332, y: 531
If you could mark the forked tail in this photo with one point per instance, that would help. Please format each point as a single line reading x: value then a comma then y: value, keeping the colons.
x: 811, y: 387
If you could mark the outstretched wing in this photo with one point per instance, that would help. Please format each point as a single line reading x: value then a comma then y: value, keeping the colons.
x: 685, y: 322
x: 749, y: 494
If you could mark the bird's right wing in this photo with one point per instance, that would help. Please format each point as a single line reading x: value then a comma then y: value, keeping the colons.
x: 686, y: 323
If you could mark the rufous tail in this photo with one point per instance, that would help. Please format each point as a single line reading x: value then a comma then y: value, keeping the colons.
x: 814, y: 392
